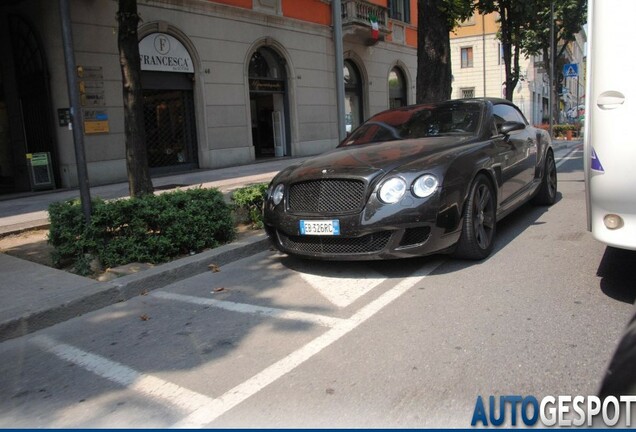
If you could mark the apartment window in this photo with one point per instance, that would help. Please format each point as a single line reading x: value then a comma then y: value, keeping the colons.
x: 467, y: 57
x: 468, y: 92
x: 400, y: 10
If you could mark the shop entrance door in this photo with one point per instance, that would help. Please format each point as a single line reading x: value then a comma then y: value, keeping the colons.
x: 170, y: 122
x: 268, y: 124
x: 262, y: 107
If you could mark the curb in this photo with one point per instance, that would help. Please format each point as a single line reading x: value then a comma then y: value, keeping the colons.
x: 97, y: 295
x: 19, y: 228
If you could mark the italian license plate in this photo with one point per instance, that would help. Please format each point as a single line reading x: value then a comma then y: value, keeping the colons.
x: 320, y: 227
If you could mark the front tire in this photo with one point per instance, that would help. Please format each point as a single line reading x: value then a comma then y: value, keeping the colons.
x: 480, y: 221
x: 546, y: 196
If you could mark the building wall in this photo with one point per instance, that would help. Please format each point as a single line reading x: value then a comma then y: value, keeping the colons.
x: 221, y: 37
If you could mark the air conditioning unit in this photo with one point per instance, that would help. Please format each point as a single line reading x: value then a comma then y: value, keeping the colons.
x: 41, y: 171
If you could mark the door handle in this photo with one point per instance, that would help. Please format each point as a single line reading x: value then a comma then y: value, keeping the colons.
x: 610, y: 100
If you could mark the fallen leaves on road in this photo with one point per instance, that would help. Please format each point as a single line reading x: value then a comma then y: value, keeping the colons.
x: 214, y: 268
x: 144, y: 317
x: 218, y: 290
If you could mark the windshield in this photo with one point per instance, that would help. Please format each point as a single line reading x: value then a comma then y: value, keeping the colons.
x: 418, y: 122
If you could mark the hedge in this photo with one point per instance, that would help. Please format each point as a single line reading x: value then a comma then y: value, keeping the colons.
x: 249, y: 200
x: 151, y: 228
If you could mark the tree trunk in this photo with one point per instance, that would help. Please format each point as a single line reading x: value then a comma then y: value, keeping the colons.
x: 511, y: 59
x: 139, y: 181
x: 433, y: 53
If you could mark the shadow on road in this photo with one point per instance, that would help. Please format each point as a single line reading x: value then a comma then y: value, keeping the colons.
x: 620, y: 377
x: 617, y: 272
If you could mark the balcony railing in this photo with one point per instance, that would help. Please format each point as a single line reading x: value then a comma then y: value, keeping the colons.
x: 356, y: 17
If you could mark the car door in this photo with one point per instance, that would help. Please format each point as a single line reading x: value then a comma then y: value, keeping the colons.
x: 519, y: 150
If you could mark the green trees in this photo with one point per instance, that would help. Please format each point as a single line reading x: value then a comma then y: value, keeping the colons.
x: 525, y: 29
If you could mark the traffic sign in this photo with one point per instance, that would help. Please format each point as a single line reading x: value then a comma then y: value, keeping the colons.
x: 571, y: 70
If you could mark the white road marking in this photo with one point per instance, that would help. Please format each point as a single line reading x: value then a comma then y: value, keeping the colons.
x: 321, y: 320
x: 240, y: 393
x: 343, y: 289
x: 180, y: 397
x: 567, y: 157
x: 202, y: 409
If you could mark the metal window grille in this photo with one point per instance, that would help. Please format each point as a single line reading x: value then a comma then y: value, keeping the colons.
x: 468, y: 92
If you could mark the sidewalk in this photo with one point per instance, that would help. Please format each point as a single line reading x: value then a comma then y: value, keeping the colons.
x: 19, y: 212
x: 35, y: 296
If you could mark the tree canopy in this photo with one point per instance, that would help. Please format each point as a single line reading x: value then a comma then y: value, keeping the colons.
x: 525, y: 29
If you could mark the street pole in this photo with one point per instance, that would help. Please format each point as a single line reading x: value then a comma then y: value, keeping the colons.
x: 76, y: 109
x: 551, y: 75
x: 577, y: 97
x: 336, y: 10
x: 483, y: 45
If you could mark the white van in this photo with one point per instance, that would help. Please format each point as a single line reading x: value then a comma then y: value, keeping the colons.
x: 610, y: 128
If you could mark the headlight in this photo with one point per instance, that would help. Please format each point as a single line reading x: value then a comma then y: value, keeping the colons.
x: 392, y: 190
x: 279, y: 192
x: 425, y: 186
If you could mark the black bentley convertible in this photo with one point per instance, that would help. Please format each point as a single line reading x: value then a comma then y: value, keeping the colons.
x: 414, y: 181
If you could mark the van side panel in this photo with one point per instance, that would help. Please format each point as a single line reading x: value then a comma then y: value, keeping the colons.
x: 610, y: 133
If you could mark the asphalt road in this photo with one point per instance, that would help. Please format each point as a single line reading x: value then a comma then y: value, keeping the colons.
x: 273, y: 341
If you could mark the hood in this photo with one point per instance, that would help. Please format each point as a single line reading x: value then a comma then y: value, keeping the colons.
x: 370, y: 160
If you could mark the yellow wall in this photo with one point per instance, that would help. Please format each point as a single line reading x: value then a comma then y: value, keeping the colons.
x: 490, y: 21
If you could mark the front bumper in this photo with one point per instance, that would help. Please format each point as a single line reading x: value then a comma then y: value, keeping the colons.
x: 377, y: 232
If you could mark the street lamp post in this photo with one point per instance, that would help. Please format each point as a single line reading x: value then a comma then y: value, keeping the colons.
x: 76, y: 110
x: 336, y: 10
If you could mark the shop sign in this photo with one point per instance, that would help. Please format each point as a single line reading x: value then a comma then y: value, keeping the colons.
x: 164, y: 53
x: 260, y: 85
x: 91, y: 85
x: 96, y: 121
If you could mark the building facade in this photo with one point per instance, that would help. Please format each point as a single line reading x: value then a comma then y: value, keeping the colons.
x: 225, y: 82
x: 479, y: 70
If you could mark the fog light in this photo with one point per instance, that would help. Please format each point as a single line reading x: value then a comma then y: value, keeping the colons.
x: 613, y: 221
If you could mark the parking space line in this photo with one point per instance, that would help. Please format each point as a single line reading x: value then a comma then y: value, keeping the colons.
x: 321, y: 320
x: 230, y: 399
x: 200, y: 409
x: 181, y: 398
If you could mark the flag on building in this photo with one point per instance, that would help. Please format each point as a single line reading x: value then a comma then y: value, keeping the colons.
x: 375, y: 29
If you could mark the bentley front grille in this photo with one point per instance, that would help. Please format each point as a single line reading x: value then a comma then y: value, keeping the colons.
x: 326, y: 196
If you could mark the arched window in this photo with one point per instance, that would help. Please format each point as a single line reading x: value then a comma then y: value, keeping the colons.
x: 353, y: 96
x: 397, y: 88
x: 266, y: 63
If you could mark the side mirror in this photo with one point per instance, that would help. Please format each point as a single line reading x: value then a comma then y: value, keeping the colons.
x: 511, y: 126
